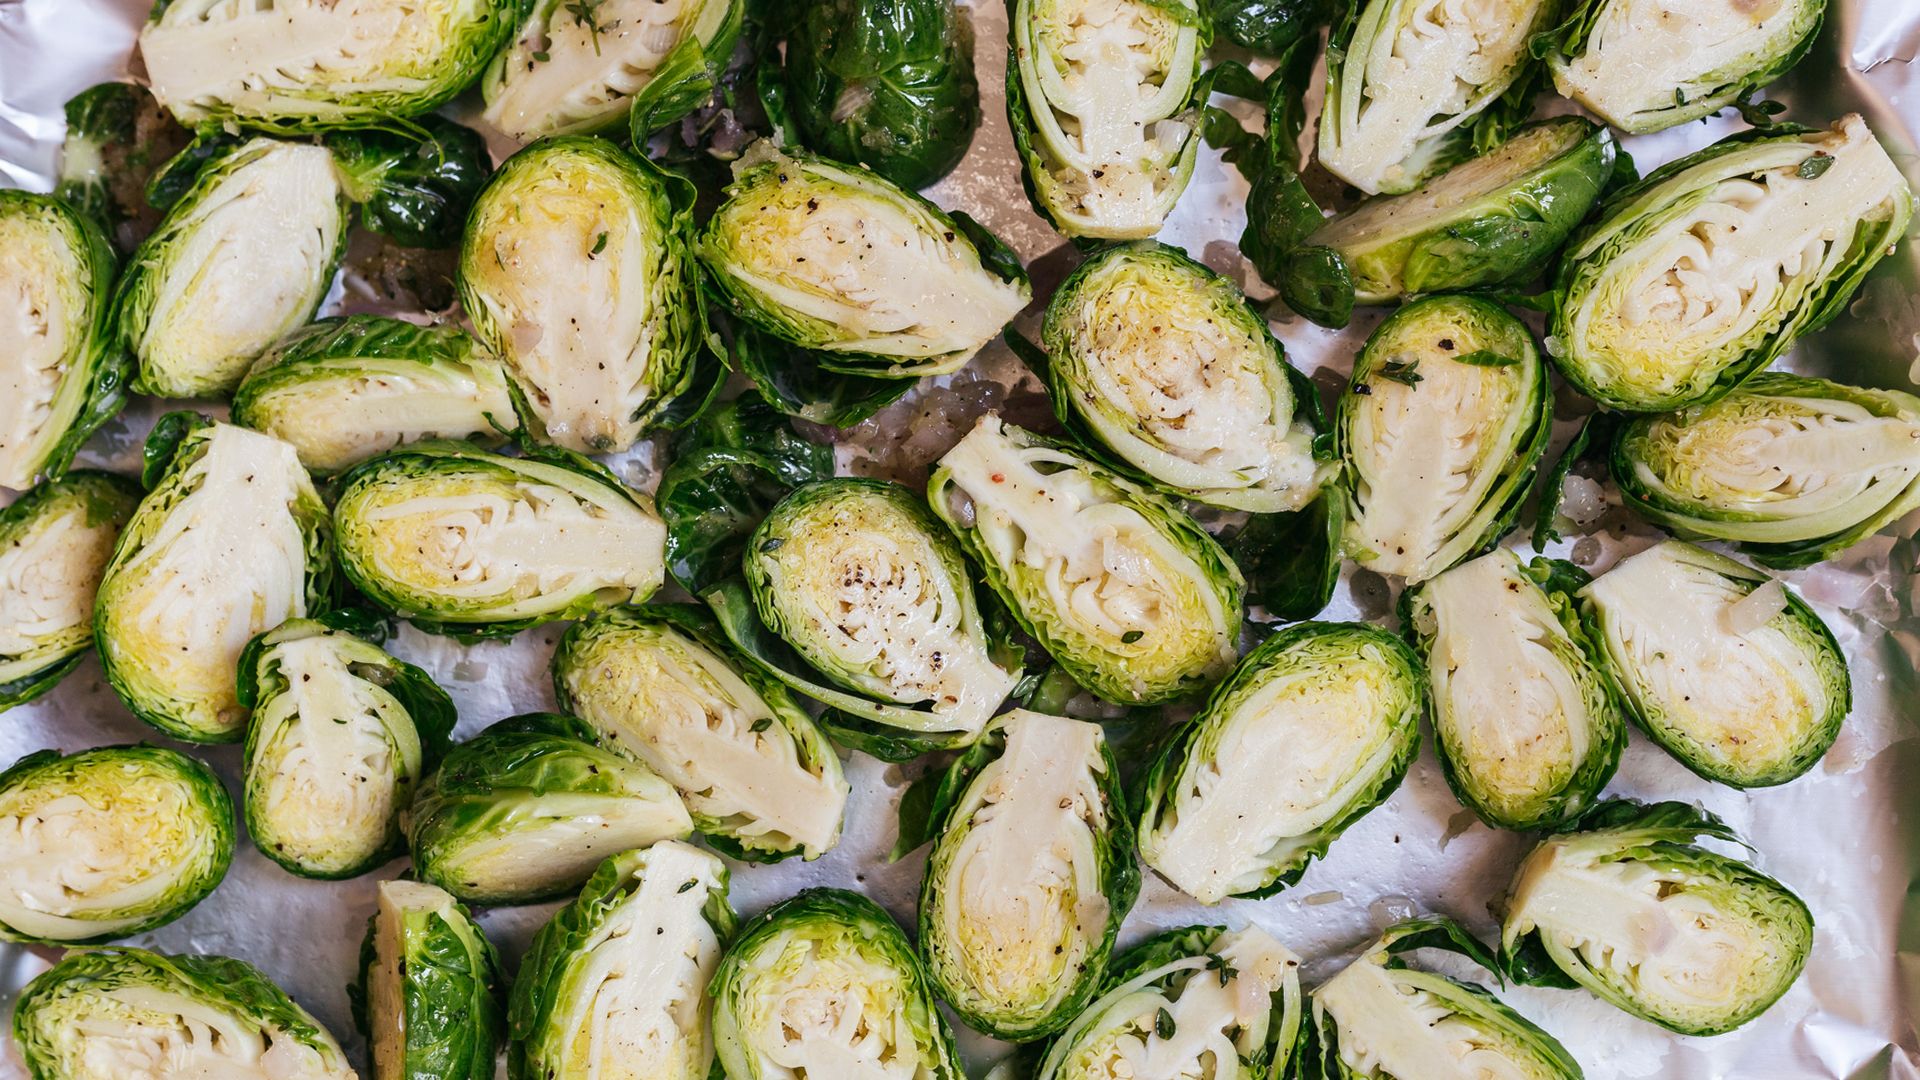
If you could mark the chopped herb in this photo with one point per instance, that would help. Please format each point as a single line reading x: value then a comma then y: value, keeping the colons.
x: 586, y: 13
x: 1679, y: 97
x: 1132, y: 636
x: 772, y: 545
x: 1488, y: 358
x: 1758, y: 113
x: 761, y: 724
x: 1404, y: 372
x: 599, y: 246
x: 1219, y: 964
x: 690, y: 884
x: 542, y: 57
x: 1163, y: 1024
x: 1815, y: 167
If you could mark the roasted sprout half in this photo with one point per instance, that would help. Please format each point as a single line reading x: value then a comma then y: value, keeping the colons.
x: 429, y: 995
x: 55, y: 542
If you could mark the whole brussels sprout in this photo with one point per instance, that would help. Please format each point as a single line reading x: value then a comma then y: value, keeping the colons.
x: 342, y: 391
x: 1168, y: 366
x: 1125, y: 591
x: 661, y: 685
x: 55, y: 542
x: 341, y: 735
x: 616, y: 983
x: 1104, y: 99
x: 1795, y: 469
x: 302, y: 65
x: 1720, y: 664
x: 124, y: 1012
x: 1525, y: 717
x: 1442, y: 427
x: 825, y: 984
x: 1031, y: 874
x: 526, y: 809
x: 576, y: 272
x: 1199, y: 1001
x: 1626, y: 906
x: 875, y: 279
x: 430, y: 989
x: 462, y: 541
x: 1316, y: 727
x: 108, y: 843
x: 243, y: 257
x: 231, y: 540
x: 1706, y: 271
x: 58, y: 360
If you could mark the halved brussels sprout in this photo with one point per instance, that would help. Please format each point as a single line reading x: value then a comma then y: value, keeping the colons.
x: 121, y: 1012
x: 58, y: 361
x: 526, y: 809
x: 1795, y: 469
x: 577, y: 68
x: 1316, y: 727
x: 662, y: 686
x: 1734, y: 675
x: 576, y: 271
x: 1103, y: 97
x: 1123, y: 589
x: 106, y: 843
x: 429, y: 995
x: 1381, y: 1019
x: 1030, y: 876
x: 616, y: 983
x: 825, y: 984
x: 1525, y: 717
x: 1166, y: 364
x: 231, y: 540
x: 878, y: 280
x: 1201, y: 1001
x: 1706, y: 271
x: 341, y: 735
x: 295, y: 66
x: 1647, y: 65
x: 346, y: 390
x: 243, y: 257
x: 1442, y: 428
x: 55, y: 542
x: 1627, y: 906
x: 1413, y: 85
x: 463, y: 541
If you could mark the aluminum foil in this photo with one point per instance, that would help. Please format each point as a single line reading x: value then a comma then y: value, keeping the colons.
x: 1846, y: 836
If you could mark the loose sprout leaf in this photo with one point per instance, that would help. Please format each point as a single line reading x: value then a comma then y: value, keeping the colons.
x: 1595, y: 433
x: 414, y: 187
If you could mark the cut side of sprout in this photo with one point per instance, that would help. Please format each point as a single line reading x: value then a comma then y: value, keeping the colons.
x: 50, y: 568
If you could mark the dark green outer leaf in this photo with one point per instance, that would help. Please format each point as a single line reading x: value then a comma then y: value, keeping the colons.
x: 414, y: 186
x: 1596, y: 433
x: 1268, y: 27
x: 793, y: 379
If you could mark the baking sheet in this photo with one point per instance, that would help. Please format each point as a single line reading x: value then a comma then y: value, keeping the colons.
x: 1845, y: 836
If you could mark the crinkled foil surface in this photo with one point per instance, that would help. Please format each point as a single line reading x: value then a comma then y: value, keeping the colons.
x: 1846, y: 836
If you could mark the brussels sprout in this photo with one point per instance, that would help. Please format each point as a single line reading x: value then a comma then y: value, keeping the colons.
x: 243, y: 257
x: 1316, y: 727
x: 429, y: 995
x: 887, y: 84
x: 793, y: 380
x: 342, y: 391
x: 58, y: 360
x: 1270, y: 27
x: 661, y: 685
x: 1496, y: 219
x: 301, y: 65
x: 1103, y: 97
x: 616, y: 983
x: 825, y: 984
x: 54, y: 544
x: 1381, y: 1019
x: 878, y: 280
x: 462, y: 541
x: 1707, y: 270
x: 122, y: 1012
x: 1731, y: 673
x: 1646, y: 65
x: 231, y: 540
x: 578, y: 68
x: 341, y: 734
x: 1795, y: 469
x: 1525, y: 718
x: 1625, y: 905
x: 525, y: 810
x: 1442, y: 428
x: 1029, y: 878
x: 1166, y: 364
x: 107, y: 843
x: 1123, y: 589
x: 414, y: 186
x: 117, y: 137
x: 576, y: 271
x: 1414, y: 87
x: 1200, y: 1001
